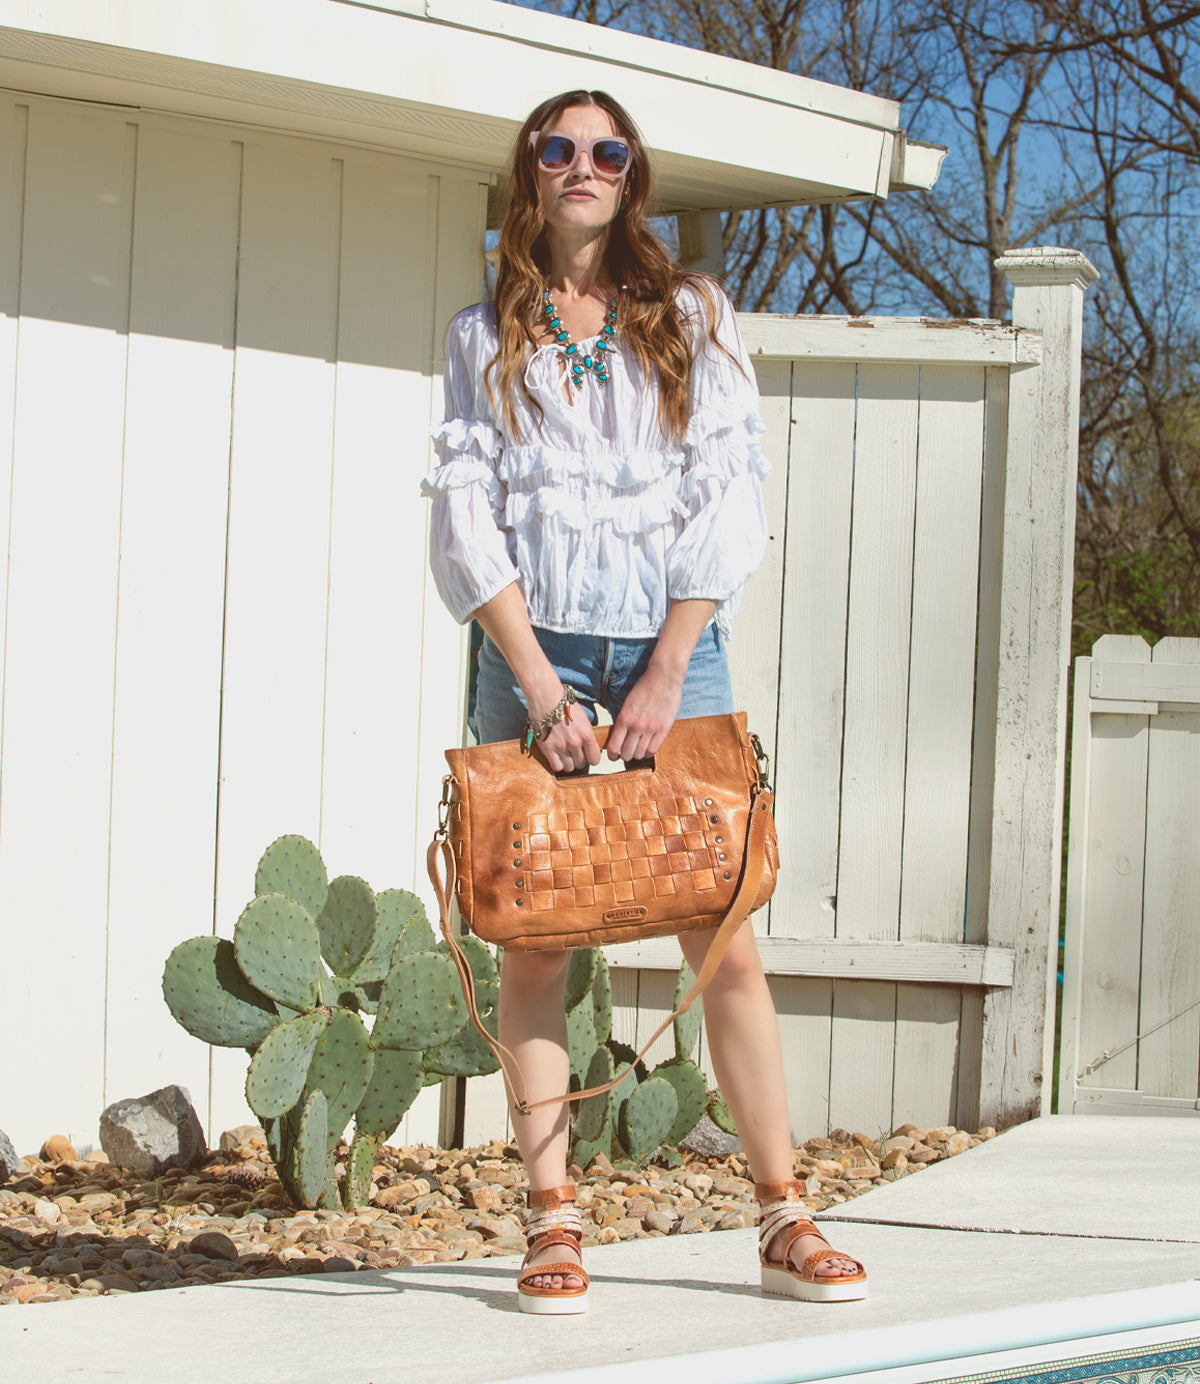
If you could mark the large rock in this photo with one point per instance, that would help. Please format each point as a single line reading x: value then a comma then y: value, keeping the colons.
x: 709, y: 1141
x: 154, y: 1132
x: 10, y: 1164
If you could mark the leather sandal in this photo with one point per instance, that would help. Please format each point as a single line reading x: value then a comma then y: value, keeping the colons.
x: 553, y: 1220
x: 789, y: 1220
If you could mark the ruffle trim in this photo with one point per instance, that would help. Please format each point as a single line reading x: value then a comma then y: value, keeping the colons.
x: 471, y: 435
x: 458, y: 475
x: 627, y: 516
x: 526, y: 466
x: 720, y: 416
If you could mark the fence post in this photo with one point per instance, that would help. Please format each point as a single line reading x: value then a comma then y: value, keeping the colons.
x: 1032, y: 662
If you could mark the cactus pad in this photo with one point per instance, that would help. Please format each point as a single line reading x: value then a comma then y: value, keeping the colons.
x: 719, y: 1114
x: 691, y: 1093
x: 687, y: 1026
x: 483, y: 969
x: 341, y: 1067
x: 580, y: 974
x: 279, y: 1068
x: 647, y: 1117
x: 415, y: 936
x: 581, y: 1041
x: 421, y: 1004
x: 602, y: 1000
x: 593, y: 1113
x: 293, y: 866
x: 279, y: 950
x: 309, y: 1161
x: 359, y: 1169
x: 347, y: 923
x: 395, y: 1081
x: 212, y: 999
x: 396, y: 909
x: 466, y: 1054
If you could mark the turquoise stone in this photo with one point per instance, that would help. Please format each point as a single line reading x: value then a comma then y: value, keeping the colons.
x: 572, y: 348
x: 587, y: 361
x: 608, y: 331
x: 555, y: 322
x: 563, y: 336
x: 601, y: 345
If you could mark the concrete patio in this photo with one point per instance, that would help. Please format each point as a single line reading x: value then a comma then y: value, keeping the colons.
x: 1069, y: 1228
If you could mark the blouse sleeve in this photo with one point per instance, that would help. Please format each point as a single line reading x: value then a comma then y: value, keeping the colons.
x: 468, y: 552
x: 724, y: 538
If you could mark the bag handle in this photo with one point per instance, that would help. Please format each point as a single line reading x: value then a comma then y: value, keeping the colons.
x: 754, y: 868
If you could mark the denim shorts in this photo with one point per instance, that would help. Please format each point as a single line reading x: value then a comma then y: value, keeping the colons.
x: 602, y: 671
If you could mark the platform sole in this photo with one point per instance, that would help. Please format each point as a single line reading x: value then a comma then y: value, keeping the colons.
x: 552, y: 1305
x: 781, y: 1283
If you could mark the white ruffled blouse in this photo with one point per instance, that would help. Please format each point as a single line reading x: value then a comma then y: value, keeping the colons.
x: 600, y: 518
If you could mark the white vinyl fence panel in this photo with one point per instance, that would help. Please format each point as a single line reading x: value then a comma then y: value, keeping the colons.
x: 1131, y: 978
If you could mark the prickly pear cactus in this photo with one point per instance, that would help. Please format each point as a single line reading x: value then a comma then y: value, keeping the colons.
x: 309, y: 958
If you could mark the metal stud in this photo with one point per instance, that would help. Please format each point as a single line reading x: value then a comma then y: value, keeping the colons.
x: 719, y: 839
x: 726, y: 876
x: 714, y: 820
x: 707, y: 802
x: 520, y: 902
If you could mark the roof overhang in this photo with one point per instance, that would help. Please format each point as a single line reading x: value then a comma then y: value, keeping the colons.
x: 451, y: 80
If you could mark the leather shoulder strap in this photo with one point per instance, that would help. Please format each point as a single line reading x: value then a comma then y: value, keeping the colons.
x: 739, y: 910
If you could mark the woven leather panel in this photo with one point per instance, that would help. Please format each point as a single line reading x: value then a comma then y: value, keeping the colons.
x: 604, y: 856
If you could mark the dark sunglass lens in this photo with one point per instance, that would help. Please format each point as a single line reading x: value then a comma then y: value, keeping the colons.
x: 611, y: 156
x: 557, y: 152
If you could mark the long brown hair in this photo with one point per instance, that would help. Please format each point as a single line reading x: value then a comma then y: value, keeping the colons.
x: 651, y: 325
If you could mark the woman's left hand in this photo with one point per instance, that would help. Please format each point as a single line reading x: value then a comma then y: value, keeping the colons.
x: 648, y: 713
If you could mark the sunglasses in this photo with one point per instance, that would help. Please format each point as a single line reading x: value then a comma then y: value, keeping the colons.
x: 558, y: 153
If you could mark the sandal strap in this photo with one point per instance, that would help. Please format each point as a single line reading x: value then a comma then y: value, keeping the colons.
x: 780, y: 1191
x: 552, y: 1196
x: 548, y: 1270
x: 554, y: 1220
x: 787, y: 1215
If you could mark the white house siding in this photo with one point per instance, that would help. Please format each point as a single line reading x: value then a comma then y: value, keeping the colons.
x: 218, y: 365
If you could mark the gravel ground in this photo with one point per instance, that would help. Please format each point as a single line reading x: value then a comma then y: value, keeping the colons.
x: 77, y: 1228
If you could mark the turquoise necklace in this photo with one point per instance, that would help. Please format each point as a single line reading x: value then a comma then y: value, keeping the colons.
x: 577, y: 363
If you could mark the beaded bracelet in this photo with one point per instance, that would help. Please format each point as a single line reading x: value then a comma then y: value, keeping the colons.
x: 538, y: 730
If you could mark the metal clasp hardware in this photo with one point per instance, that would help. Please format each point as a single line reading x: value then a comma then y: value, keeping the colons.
x: 443, y: 826
x: 762, y: 762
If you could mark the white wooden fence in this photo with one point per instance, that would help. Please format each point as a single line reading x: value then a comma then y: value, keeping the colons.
x: 1131, y: 974
x: 219, y: 349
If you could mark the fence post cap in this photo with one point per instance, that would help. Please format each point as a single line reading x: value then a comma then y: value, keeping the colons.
x: 1047, y: 264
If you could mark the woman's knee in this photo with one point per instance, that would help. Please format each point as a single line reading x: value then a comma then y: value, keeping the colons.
x: 741, y: 965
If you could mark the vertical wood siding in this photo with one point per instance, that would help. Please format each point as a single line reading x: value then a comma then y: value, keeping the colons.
x: 867, y: 605
x: 218, y: 363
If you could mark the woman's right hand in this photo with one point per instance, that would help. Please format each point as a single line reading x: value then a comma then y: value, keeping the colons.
x: 569, y: 743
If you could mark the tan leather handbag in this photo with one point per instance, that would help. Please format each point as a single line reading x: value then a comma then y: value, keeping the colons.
x: 537, y: 860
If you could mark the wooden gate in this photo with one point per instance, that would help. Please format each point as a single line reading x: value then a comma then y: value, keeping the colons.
x: 1131, y: 974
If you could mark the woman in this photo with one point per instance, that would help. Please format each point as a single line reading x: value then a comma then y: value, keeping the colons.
x: 597, y: 509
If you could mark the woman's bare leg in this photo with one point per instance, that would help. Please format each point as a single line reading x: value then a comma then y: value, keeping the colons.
x: 743, y: 1041
x: 533, y: 1026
